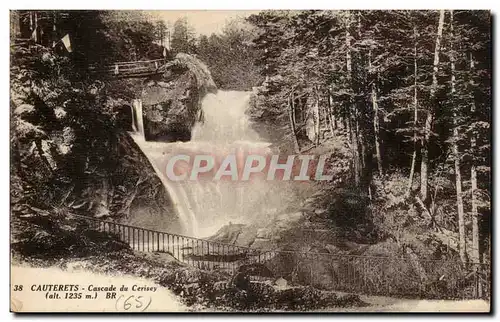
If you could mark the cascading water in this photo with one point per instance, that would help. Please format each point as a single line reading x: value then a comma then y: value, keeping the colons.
x: 204, y: 206
x: 138, y: 124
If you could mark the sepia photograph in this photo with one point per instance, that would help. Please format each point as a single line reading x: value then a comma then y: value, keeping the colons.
x: 203, y: 161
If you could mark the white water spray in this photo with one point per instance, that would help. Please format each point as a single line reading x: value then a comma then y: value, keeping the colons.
x: 205, y: 206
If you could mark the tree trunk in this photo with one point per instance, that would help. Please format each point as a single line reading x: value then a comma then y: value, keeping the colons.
x: 352, y: 111
x: 458, y: 184
x: 456, y: 153
x: 430, y: 111
x: 354, y: 147
x: 475, y: 222
x: 37, y: 39
x: 376, y: 125
x: 292, y: 123
x: 361, y: 141
x: 415, y: 114
x: 376, y: 130
x: 303, y: 111
x: 54, y: 30
x: 316, y: 117
x: 328, y: 113
x: 347, y: 126
x: 333, y: 116
x: 473, y: 175
x: 359, y: 108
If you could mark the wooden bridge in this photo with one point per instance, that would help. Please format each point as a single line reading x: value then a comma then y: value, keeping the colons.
x: 128, y: 69
x: 132, y: 69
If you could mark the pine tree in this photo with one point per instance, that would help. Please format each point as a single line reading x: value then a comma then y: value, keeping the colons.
x: 424, y: 166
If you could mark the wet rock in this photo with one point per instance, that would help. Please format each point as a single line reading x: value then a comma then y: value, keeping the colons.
x: 264, y: 244
x: 281, y: 283
x: 264, y: 233
x: 228, y: 234
x: 164, y: 84
x: 172, y: 105
x: 332, y: 249
x: 320, y: 211
x: 247, y: 236
x: 290, y: 217
x: 287, y: 221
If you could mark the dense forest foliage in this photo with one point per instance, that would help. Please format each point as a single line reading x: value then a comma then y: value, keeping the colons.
x: 230, y: 55
x: 410, y: 93
x: 65, y: 127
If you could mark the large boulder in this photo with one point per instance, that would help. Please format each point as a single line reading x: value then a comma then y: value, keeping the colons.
x: 172, y: 104
x: 170, y: 109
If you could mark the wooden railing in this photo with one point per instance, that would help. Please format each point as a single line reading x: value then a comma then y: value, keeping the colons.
x: 131, y: 69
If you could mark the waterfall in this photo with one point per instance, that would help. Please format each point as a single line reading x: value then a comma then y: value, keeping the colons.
x: 139, y: 119
x: 204, y: 206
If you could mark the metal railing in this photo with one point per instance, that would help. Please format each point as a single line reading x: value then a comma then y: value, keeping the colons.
x: 201, y: 253
x: 370, y: 275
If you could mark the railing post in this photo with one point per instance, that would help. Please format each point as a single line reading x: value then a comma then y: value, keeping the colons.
x: 197, y: 252
x: 128, y: 237
x: 138, y: 241
x: 364, y: 272
x: 190, y: 257
x: 183, y: 248
x: 143, y: 240
x: 178, y: 249
x: 132, y: 235
x: 310, y: 272
x: 224, y: 262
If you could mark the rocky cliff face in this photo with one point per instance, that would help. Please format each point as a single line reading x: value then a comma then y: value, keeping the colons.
x: 135, y: 192
x: 172, y: 103
x: 70, y: 149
